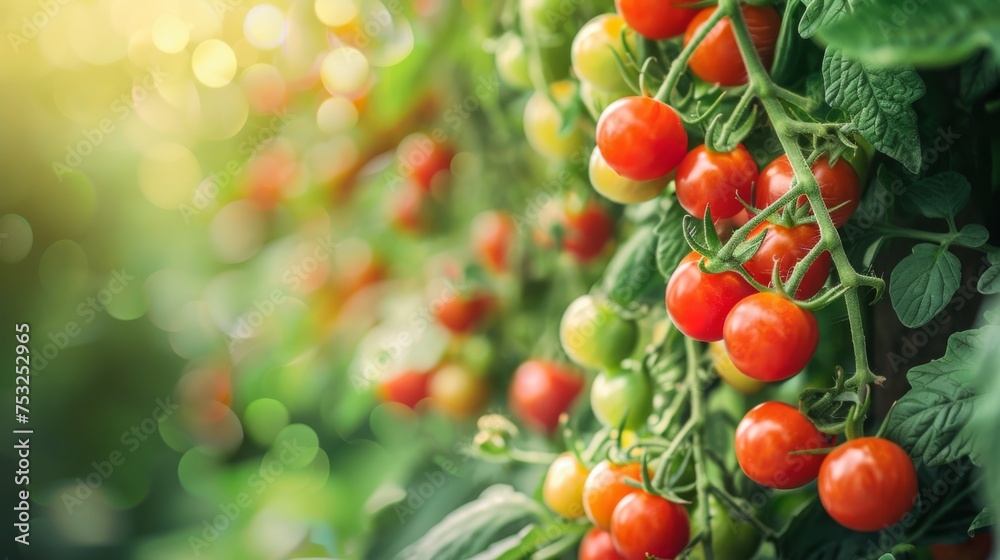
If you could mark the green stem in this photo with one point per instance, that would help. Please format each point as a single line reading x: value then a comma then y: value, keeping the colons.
x: 890, y: 231
x: 679, y: 64
x: 700, y: 464
x: 661, y: 471
x: 799, y: 272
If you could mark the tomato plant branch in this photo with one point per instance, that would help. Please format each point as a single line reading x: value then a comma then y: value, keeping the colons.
x: 701, y: 472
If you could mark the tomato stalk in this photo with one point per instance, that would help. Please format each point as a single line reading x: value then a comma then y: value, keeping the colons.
x: 697, y: 417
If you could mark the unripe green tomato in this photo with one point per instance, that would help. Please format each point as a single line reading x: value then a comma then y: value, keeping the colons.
x: 616, y: 188
x: 593, y: 335
x: 543, y: 122
x: 731, y: 539
x: 598, y: 47
x: 476, y: 352
x: 544, y: 15
x: 512, y: 61
x: 617, y: 393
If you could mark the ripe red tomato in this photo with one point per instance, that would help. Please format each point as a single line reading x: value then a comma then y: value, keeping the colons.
x: 656, y: 19
x: 787, y: 246
x: 597, y: 545
x: 406, y: 388
x: 644, y: 525
x: 562, y: 490
x: 586, y: 227
x: 541, y: 391
x: 698, y: 303
x: 978, y: 547
x: 461, y: 314
x: 605, y: 487
x: 868, y: 484
x: 717, y: 59
x: 838, y: 184
x: 458, y: 391
x: 766, y: 436
x: 717, y: 180
x: 493, y: 235
x: 422, y: 160
x: 769, y: 338
x: 641, y: 138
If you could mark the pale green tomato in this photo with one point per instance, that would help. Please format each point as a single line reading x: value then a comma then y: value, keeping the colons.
x: 731, y: 539
x: 618, y: 189
x: 598, y: 47
x: 547, y: 15
x: 512, y: 61
x: 593, y: 335
x: 543, y: 121
x: 617, y: 393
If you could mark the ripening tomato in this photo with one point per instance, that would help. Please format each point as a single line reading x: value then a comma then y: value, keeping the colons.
x: 698, y: 303
x: 512, y: 61
x: 615, y: 393
x: 461, y: 314
x: 641, y: 138
x: 543, y: 122
x: 616, y: 188
x: 598, y: 48
x: 605, y: 487
x: 838, y: 185
x: 424, y: 161
x: 787, y: 246
x: 562, y: 490
x: 717, y: 180
x: 458, y: 391
x: 769, y: 337
x: 644, y: 525
x: 765, y: 438
x: 541, y: 391
x: 493, y: 235
x: 406, y: 387
x: 723, y: 365
x: 717, y: 58
x: 657, y: 19
x: 597, y: 545
x: 868, y: 484
x: 593, y: 335
x: 979, y: 547
x: 585, y: 227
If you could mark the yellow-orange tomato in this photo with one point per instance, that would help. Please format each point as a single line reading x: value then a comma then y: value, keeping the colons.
x: 458, y: 392
x: 605, y: 487
x: 563, y: 486
x: 728, y: 372
x: 543, y: 123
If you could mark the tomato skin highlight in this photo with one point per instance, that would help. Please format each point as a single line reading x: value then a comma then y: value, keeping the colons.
x: 562, y: 490
x: 541, y: 391
x: 597, y: 545
x: 644, y: 524
x: 765, y: 437
x: 698, y: 303
x: 406, y: 388
x: 788, y: 246
x: 605, y: 487
x: 717, y: 59
x: 868, y: 484
x: 839, y: 185
x: 979, y: 547
x: 769, y: 337
x: 654, y: 19
x: 716, y: 180
x: 641, y: 138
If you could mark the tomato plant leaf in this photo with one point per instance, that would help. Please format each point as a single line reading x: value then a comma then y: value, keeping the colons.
x: 984, y: 519
x: 878, y: 101
x: 973, y: 235
x: 939, y: 196
x: 670, y: 244
x: 822, y: 13
x: 989, y: 282
x: 931, y: 421
x: 470, y: 529
x: 813, y: 535
x: 887, y: 557
x: 894, y: 32
x: 632, y: 269
x: 980, y: 74
x: 923, y: 283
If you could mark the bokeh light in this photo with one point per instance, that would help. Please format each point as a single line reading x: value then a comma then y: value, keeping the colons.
x: 170, y: 33
x: 264, y: 26
x: 345, y: 70
x: 214, y: 63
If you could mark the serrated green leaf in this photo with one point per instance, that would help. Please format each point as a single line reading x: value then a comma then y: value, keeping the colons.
x: 470, y: 529
x: 632, y: 269
x: 989, y: 282
x: 940, y: 196
x: 984, y: 519
x: 980, y: 74
x: 878, y: 101
x: 823, y: 13
x: 670, y: 245
x: 923, y: 283
x: 931, y: 421
x: 973, y: 235
x: 916, y: 32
